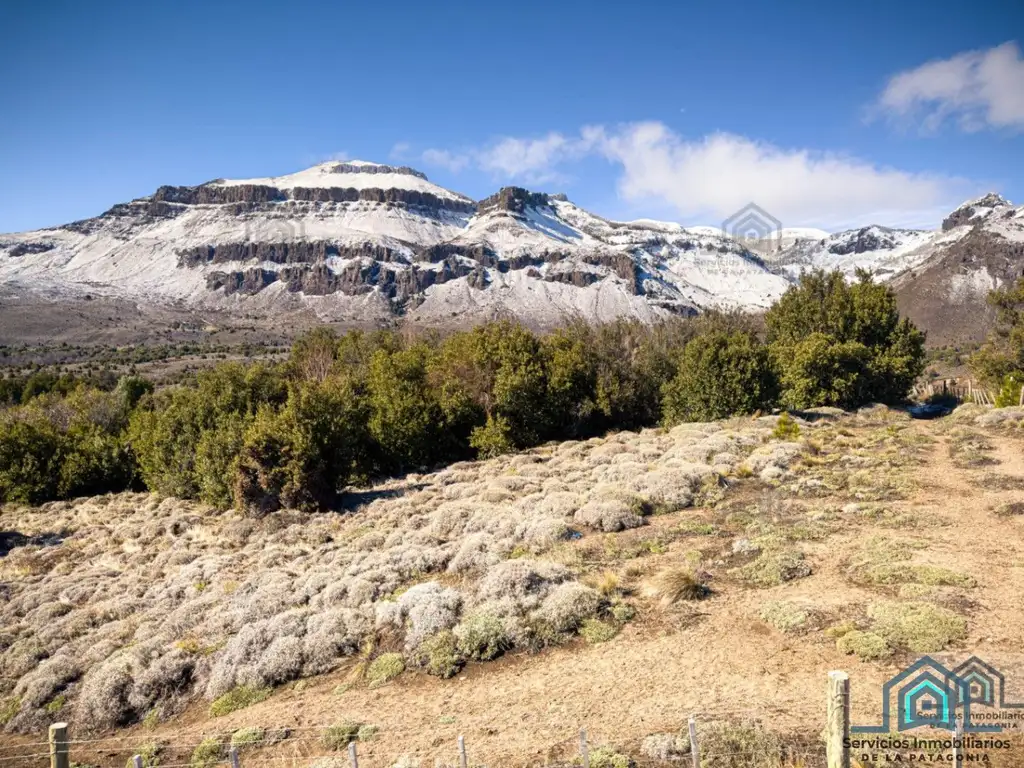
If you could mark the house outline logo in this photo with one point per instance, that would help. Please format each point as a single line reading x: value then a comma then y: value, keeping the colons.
x: 753, y: 226
x: 986, y: 684
x: 928, y: 694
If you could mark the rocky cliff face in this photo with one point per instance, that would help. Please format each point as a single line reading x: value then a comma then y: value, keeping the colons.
x: 347, y: 239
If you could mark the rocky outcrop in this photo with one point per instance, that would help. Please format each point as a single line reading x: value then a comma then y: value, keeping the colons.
x: 408, y: 197
x: 948, y: 294
x: 442, y: 251
x: 22, y: 249
x: 299, y: 252
x: 249, y: 282
x: 401, y: 285
x: 578, y: 277
x: 207, y: 195
x: 372, y: 168
x: 867, y: 239
x: 967, y: 212
x: 513, y: 200
x: 623, y: 265
x: 261, y: 193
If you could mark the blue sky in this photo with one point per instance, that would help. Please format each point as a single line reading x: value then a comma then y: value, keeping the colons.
x: 824, y: 115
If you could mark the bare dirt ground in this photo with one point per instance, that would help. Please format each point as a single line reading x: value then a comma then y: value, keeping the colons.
x: 867, y: 493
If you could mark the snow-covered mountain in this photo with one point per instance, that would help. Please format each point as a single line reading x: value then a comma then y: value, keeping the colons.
x: 358, y: 241
x: 362, y: 241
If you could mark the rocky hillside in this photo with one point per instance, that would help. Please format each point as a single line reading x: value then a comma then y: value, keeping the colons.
x: 363, y: 242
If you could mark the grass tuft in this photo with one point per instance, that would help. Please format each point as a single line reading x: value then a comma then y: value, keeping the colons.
x: 785, y: 616
x: 867, y: 646
x: 774, y: 567
x: 207, y: 754
x: 246, y: 738
x: 340, y: 735
x: 675, y: 585
x: 596, y: 631
x: 918, y: 627
x: 385, y: 668
x: 238, y: 698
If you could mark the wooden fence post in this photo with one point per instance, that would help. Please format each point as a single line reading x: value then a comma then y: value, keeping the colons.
x: 352, y: 754
x: 694, y: 745
x: 838, y: 720
x: 234, y: 758
x: 59, y: 746
x: 462, y: 751
x: 584, y: 753
x: 137, y: 761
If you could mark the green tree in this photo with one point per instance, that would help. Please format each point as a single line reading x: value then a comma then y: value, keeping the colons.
x: 844, y: 345
x: 28, y: 451
x: 303, y: 455
x: 720, y: 374
x: 1000, y: 361
x: 405, y: 418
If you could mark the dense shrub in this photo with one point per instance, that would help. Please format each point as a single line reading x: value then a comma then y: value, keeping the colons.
x: 843, y: 345
x: 1002, y: 355
x: 720, y: 374
x: 304, y: 454
x: 344, y: 409
x: 64, y: 446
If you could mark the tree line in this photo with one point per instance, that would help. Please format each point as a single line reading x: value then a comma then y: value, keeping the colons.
x: 344, y: 409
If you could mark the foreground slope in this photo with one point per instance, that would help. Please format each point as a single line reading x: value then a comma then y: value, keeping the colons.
x: 128, y: 608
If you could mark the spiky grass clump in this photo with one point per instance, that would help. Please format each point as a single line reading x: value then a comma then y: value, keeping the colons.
x: 367, y: 732
x: 606, y: 584
x: 238, y: 698
x: 786, y: 428
x: 385, y: 668
x: 246, y: 738
x: 608, y: 757
x: 675, y: 585
x: 918, y: 627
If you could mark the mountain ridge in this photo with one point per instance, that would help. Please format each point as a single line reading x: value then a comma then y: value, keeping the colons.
x: 364, y: 242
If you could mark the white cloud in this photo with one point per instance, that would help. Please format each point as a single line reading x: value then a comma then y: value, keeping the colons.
x: 453, y: 161
x: 708, y: 179
x: 400, y: 151
x: 976, y: 89
x: 719, y: 174
x: 532, y: 161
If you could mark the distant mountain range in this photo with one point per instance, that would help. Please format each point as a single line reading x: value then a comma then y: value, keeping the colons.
x: 364, y: 242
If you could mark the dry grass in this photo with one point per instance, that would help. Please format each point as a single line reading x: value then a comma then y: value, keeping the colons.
x: 131, y: 608
x: 675, y: 585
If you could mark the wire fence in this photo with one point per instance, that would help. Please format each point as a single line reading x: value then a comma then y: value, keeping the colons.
x: 330, y: 747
